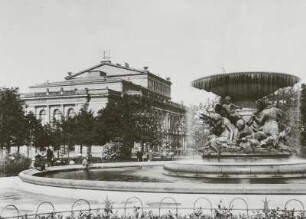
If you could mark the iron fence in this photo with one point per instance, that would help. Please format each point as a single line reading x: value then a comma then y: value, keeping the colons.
x: 138, y: 211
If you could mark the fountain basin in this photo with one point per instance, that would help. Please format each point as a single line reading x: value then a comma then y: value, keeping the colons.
x: 177, y: 186
x: 245, y: 86
x: 238, y: 168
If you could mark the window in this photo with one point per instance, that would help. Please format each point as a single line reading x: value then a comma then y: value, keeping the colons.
x: 43, y: 116
x: 71, y: 113
x: 57, y: 115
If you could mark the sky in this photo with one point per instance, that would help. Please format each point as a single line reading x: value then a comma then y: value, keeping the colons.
x: 180, y: 39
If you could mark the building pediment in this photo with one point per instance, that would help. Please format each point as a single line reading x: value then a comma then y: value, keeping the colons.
x: 106, y: 69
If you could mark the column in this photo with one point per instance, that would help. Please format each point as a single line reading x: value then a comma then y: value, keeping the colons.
x: 48, y: 114
x: 63, y: 111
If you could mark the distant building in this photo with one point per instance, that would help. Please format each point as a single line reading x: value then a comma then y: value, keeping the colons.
x: 101, y: 83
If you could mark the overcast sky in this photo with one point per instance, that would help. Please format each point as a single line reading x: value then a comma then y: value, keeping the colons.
x: 180, y: 39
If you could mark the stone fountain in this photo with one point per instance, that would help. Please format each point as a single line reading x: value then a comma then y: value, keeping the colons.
x: 262, y: 159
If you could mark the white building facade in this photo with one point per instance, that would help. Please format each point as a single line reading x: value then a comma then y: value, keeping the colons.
x: 101, y: 83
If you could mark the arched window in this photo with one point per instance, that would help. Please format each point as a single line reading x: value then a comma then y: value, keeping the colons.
x: 57, y: 115
x: 70, y: 113
x: 43, y: 116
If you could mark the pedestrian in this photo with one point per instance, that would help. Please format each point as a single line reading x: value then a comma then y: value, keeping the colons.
x: 139, y: 155
x: 39, y: 162
x: 49, y: 156
x: 85, y: 162
x: 150, y: 155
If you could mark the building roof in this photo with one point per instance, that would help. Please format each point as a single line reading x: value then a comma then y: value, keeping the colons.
x: 116, y: 69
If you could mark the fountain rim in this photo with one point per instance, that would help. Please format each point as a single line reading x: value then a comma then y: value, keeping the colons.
x: 30, y: 176
x: 298, y: 79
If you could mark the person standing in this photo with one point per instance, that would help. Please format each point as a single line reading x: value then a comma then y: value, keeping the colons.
x: 85, y: 162
x: 39, y: 162
x: 49, y: 156
x: 138, y: 155
x: 150, y: 155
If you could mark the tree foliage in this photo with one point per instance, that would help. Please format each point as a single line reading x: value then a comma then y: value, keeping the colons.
x: 35, y: 132
x: 84, y: 123
x: 126, y: 120
x: 129, y: 119
x: 12, y: 119
x: 196, y: 130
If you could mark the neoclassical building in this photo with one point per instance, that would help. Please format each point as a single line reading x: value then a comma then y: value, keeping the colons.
x: 101, y: 83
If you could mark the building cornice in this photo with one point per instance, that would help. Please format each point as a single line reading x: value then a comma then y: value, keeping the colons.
x: 78, y: 82
x: 69, y: 94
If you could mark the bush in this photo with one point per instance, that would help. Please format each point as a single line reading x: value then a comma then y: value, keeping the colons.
x: 13, y: 165
x: 112, y: 151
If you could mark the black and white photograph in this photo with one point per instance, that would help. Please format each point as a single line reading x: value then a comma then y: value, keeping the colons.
x: 152, y: 109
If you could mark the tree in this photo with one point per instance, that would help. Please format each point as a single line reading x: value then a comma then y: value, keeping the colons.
x: 69, y: 133
x: 129, y: 119
x: 12, y: 119
x: 197, y: 131
x: 303, y: 118
x: 108, y: 125
x: 34, y: 130
x: 83, y: 128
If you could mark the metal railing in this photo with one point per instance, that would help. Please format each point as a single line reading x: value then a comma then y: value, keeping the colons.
x: 202, y: 208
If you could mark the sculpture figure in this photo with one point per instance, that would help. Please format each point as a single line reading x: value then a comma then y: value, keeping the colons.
x: 269, y: 119
x: 221, y: 131
x: 261, y: 133
x: 230, y: 110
